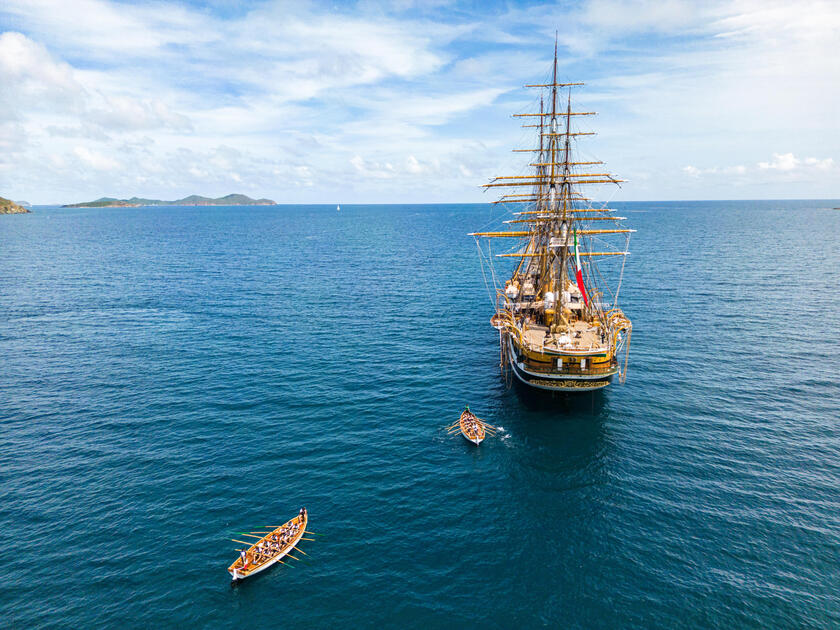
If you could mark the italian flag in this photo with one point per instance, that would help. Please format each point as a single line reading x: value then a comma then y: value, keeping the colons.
x: 579, y: 273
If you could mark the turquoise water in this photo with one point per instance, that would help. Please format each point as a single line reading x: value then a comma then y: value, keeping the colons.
x: 171, y: 376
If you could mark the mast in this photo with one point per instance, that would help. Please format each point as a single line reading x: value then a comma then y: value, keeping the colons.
x: 547, y: 261
x: 540, y: 191
x: 564, y: 226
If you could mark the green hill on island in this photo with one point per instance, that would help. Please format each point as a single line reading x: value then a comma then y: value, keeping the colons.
x: 7, y: 206
x: 192, y: 200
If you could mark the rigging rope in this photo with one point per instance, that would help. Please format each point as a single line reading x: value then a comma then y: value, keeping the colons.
x: 483, y: 274
x: 621, y: 274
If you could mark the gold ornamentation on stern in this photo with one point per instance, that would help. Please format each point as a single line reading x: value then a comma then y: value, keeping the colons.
x: 570, y: 384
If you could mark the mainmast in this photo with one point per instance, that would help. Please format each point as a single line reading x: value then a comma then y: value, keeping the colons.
x: 547, y: 263
x: 566, y: 191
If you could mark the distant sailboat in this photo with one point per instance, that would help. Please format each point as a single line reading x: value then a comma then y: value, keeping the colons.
x: 338, y: 208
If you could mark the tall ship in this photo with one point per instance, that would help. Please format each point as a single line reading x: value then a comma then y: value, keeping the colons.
x: 560, y: 326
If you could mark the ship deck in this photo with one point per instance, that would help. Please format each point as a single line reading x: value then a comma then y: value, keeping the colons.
x: 580, y: 337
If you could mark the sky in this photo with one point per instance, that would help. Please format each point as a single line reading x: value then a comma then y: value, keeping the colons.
x: 410, y: 101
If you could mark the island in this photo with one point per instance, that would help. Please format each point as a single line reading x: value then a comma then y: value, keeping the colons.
x: 192, y: 200
x: 7, y: 206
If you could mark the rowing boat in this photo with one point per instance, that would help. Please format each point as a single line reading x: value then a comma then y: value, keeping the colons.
x: 472, y: 427
x: 256, y: 561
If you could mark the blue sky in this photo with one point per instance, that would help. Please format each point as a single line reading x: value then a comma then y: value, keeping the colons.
x: 374, y: 102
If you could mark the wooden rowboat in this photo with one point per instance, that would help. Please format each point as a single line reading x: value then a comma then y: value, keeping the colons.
x: 256, y: 560
x: 472, y: 427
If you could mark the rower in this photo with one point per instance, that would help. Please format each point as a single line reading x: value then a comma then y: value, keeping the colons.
x: 244, y: 557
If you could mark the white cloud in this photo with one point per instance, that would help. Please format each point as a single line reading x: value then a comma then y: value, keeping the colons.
x: 823, y: 165
x: 126, y: 113
x: 789, y: 162
x: 96, y: 160
x: 413, y: 165
x: 781, y: 162
x: 32, y: 79
x: 101, y: 29
x: 784, y: 167
x: 372, y: 169
x: 429, y: 109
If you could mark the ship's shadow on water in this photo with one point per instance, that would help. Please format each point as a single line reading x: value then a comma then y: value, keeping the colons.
x: 562, y: 404
x: 565, y: 433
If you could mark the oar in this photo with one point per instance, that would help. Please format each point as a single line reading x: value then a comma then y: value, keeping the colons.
x: 288, y: 555
x: 249, y: 535
x: 243, y: 542
x: 306, y: 531
x: 286, y: 564
x: 311, y: 539
x: 303, y: 552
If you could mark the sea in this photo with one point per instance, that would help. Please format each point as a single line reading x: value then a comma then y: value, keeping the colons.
x: 173, y: 378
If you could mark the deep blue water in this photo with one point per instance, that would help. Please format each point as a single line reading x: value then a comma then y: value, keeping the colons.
x: 170, y: 376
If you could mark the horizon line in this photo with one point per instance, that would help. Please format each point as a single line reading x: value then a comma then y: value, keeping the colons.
x: 438, y: 203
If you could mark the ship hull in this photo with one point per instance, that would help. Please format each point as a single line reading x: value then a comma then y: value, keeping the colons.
x: 557, y: 381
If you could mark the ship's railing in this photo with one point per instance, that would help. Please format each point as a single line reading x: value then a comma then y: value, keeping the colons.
x: 568, y: 368
x: 503, y: 319
x: 618, y: 324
